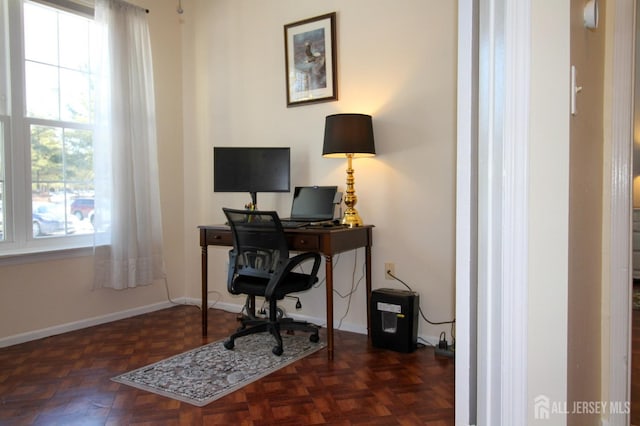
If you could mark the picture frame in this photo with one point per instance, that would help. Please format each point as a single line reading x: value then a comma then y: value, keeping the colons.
x: 310, y: 60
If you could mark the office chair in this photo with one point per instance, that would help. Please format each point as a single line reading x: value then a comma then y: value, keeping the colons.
x: 259, y: 265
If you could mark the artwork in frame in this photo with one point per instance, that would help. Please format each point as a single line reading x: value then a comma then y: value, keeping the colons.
x: 310, y: 60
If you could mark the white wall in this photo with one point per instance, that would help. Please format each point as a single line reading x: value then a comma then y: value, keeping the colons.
x: 391, y: 65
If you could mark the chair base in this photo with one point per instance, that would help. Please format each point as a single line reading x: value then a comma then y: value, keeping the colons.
x: 253, y: 326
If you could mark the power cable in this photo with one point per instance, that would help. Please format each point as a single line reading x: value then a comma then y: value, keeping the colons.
x: 420, y: 309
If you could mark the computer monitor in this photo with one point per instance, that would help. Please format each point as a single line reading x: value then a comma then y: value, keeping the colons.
x: 251, y: 169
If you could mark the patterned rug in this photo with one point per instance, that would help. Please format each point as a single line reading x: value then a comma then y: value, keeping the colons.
x: 636, y: 297
x: 202, y: 375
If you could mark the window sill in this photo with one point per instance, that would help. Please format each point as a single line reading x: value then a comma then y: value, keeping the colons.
x: 43, y: 255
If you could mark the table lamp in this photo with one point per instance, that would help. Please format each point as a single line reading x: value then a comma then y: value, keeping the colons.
x: 349, y: 135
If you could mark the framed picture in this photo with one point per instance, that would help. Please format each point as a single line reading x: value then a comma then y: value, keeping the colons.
x: 310, y: 60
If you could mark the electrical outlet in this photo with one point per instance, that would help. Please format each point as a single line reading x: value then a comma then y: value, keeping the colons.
x: 389, y: 267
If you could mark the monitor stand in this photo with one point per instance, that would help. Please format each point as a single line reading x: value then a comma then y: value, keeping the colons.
x: 253, y: 205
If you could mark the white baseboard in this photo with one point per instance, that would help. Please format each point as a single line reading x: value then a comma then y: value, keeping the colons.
x: 89, y: 322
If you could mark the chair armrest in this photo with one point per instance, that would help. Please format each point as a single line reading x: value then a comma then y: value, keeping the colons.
x: 288, y: 266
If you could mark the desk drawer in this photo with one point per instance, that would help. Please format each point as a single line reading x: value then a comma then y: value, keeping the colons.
x: 219, y: 238
x: 302, y: 242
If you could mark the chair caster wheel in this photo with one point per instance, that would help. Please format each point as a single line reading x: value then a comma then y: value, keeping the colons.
x: 229, y: 344
x: 314, y: 338
x: 277, y: 350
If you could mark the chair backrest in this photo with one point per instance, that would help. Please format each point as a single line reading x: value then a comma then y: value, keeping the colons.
x: 259, y: 242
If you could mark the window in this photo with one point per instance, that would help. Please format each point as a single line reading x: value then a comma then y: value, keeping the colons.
x: 49, y: 116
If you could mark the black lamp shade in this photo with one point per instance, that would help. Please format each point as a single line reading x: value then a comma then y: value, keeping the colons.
x: 348, y: 134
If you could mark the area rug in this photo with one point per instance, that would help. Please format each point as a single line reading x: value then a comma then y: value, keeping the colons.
x: 636, y: 297
x: 202, y: 375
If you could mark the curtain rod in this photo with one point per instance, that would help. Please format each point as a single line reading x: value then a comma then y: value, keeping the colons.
x: 133, y: 5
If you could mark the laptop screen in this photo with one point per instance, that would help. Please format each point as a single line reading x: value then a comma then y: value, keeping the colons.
x: 314, y: 203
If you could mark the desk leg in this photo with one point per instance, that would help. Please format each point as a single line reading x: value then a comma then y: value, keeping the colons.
x: 367, y: 261
x: 329, y: 286
x: 205, y: 279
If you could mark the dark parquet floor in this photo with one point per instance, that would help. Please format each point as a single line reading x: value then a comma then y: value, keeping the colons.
x: 65, y: 380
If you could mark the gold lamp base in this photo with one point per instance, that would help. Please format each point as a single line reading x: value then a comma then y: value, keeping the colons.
x: 351, y: 218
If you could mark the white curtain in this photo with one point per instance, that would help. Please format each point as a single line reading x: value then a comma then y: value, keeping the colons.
x: 128, y: 230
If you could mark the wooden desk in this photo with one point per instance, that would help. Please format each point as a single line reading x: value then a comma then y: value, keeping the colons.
x: 326, y: 241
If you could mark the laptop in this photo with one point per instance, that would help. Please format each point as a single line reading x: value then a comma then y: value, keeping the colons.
x: 311, y: 205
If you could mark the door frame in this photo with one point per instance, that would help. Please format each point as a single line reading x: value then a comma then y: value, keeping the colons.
x: 492, y: 211
x: 617, y: 336
x: 616, y: 224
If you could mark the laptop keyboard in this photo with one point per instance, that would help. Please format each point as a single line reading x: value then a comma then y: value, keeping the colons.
x: 293, y: 224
